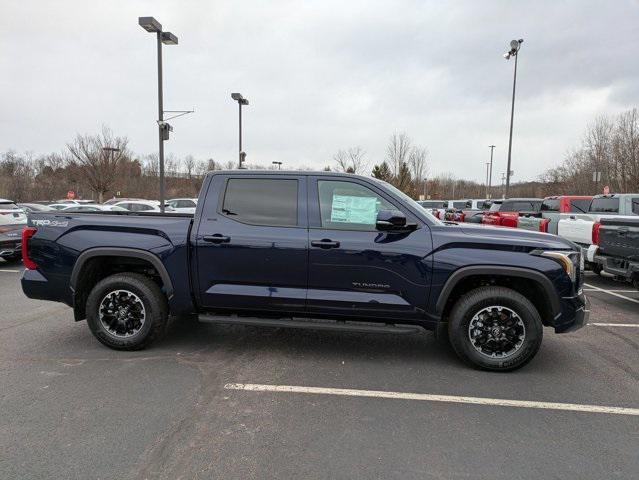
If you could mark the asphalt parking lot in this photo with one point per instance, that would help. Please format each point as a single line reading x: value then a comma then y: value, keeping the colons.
x: 71, y: 408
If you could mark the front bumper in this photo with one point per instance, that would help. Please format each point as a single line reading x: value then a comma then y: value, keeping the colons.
x: 575, y: 312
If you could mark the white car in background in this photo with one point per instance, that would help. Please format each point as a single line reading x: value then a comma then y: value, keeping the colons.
x: 10, y: 211
x: 142, y: 206
x: 182, y: 205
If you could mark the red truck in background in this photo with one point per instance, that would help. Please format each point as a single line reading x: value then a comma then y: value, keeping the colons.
x: 507, y: 214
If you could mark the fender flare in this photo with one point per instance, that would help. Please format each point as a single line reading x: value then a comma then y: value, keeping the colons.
x: 121, y: 252
x: 518, y: 272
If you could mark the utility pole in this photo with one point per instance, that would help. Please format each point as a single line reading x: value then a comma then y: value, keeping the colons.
x: 490, y: 174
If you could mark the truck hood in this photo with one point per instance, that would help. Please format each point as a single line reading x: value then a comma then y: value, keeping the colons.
x: 514, y: 236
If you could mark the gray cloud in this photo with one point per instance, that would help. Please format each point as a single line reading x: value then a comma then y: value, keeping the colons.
x: 321, y: 76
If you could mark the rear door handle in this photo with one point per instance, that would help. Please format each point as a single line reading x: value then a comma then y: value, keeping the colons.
x: 325, y: 243
x: 217, y: 238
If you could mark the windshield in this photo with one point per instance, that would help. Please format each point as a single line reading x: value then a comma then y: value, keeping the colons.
x: 408, y: 200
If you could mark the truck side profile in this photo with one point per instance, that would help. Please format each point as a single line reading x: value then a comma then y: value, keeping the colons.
x: 302, y: 249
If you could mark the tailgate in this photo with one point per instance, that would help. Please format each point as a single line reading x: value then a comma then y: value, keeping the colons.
x: 576, y: 230
x: 620, y: 238
x: 530, y: 223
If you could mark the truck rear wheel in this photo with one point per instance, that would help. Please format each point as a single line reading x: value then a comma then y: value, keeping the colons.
x: 126, y: 311
x: 495, y: 328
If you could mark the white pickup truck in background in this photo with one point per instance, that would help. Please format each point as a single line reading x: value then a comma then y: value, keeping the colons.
x: 583, y: 228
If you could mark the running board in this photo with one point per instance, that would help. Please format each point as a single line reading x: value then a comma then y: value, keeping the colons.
x: 312, y: 324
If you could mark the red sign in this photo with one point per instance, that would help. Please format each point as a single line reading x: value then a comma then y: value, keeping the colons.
x: 70, y: 194
x: 606, y: 190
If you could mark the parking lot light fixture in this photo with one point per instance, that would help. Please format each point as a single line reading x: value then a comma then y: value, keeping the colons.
x: 515, y: 46
x: 151, y: 25
x: 240, y: 101
x: 279, y: 165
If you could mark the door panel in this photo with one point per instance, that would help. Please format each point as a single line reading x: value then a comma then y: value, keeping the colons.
x: 366, y: 273
x: 248, y: 266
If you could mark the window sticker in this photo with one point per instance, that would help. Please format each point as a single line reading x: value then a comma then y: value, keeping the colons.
x: 350, y: 209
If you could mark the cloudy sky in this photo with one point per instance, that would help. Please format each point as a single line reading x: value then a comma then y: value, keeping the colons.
x: 320, y: 76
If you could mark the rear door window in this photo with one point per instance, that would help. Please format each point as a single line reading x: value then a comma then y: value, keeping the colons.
x: 604, y: 205
x: 635, y: 206
x: 459, y: 205
x: 261, y: 201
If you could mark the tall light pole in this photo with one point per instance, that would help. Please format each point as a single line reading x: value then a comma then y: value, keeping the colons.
x: 151, y: 25
x: 490, y: 174
x: 240, y: 101
x: 487, y: 166
x: 515, y: 45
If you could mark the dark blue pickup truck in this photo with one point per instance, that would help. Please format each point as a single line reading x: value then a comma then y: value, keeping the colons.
x: 308, y: 250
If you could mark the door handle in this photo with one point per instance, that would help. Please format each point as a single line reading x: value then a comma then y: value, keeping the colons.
x: 325, y: 243
x: 217, y: 238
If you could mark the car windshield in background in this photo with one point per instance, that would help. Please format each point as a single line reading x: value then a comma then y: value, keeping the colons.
x: 550, y: 205
x: 579, y: 205
x: 521, y: 206
x: 8, y: 206
x: 604, y: 205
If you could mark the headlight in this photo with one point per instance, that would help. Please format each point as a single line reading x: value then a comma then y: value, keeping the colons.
x: 570, y: 261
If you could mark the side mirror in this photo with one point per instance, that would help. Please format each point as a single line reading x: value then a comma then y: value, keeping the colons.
x: 388, y: 220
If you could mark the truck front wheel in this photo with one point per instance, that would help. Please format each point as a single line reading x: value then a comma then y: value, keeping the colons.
x: 126, y: 311
x: 495, y: 328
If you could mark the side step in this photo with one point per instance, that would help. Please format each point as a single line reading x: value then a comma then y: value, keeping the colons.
x: 312, y: 324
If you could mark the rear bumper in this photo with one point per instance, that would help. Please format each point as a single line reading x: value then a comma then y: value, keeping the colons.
x: 620, y: 267
x: 575, y: 312
x: 35, y: 285
x: 11, y: 249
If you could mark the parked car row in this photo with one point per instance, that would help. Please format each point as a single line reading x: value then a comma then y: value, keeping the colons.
x: 584, y: 220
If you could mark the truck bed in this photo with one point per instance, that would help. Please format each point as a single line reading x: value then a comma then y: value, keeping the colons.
x: 61, y: 239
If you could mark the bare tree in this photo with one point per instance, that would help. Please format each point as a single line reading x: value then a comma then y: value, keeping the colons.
x: 351, y: 160
x: 99, y: 156
x: 189, y: 164
x: 398, y: 151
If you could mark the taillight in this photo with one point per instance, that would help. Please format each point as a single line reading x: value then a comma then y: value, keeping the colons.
x: 595, y: 233
x: 462, y: 217
x: 543, y: 225
x: 27, y: 233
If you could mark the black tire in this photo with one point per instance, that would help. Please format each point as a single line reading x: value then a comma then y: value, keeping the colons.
x: 527, y: 321
x: 597, y: 268
x: 145, y: 292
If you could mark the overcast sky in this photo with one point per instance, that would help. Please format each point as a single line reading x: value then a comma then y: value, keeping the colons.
x: 320, y: 76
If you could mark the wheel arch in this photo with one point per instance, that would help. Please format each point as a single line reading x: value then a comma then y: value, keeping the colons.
x: 84, y: 269
x: 544, y: 295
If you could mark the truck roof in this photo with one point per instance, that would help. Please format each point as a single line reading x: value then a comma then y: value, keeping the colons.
x: 288, y: 172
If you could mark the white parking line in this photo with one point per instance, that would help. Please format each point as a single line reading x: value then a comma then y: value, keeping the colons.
x: 631, y: 325
x: 618, y: 291
x: 611, y: 292
x: 9, y: 271
x: 346, y: 392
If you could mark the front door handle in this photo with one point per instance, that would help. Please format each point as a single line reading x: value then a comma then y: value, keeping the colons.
x: 217, y: 238
x: 325, y: 243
